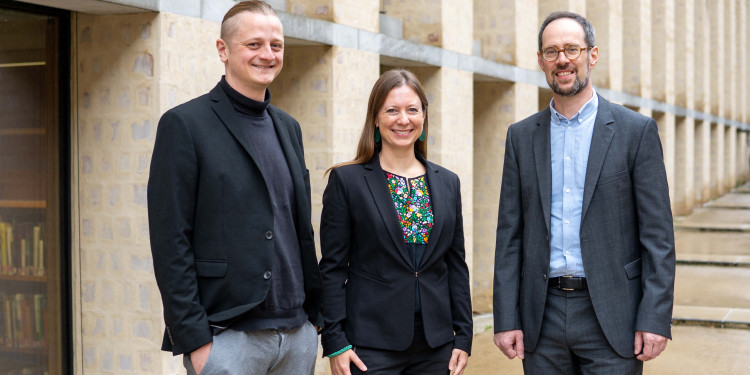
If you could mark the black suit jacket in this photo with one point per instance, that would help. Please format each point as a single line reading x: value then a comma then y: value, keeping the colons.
x: 211, y: 219
x: 627, y: 239
x: 368, y: 278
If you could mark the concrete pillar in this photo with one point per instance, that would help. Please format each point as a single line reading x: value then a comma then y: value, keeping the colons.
x: 362, y: 14
x: 440, y: 23
x: 685, y: 168
x: 663, y: 50
x: 607, y: 18
x: 744, y: 55
x: 637, y: 40
x: 508, y: 31
x: 702, y: 158
x: 718, y: 51
x: 666, y: 124
x: 548, y: 6
x: 717, y: 159
x: 731, y: 53
x: 128, y: 70
x: 730, y: 158
x: 683, y: 71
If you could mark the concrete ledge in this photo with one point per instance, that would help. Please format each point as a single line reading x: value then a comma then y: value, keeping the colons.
x: 713, y: 260
x: 720, y: 317
x: 709, y: 227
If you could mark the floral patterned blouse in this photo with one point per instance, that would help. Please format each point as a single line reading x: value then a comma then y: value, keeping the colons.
x: 412, y: 201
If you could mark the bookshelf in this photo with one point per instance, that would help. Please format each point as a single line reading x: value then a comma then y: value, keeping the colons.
x: 31, y: 339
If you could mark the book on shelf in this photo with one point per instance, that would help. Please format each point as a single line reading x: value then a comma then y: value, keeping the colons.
x: 22, y: 248
x: 24, y: 321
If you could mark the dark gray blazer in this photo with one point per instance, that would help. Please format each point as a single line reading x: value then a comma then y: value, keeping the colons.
x: 627, y: 239
x: 211, y: 219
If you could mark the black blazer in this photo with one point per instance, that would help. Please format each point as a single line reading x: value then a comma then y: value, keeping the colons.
x: 368, y: 278
x: 211, y: 220
x: 627, y: 239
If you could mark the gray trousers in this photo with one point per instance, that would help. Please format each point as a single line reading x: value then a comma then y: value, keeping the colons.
x: 571, y: 342
x: 267, y: 352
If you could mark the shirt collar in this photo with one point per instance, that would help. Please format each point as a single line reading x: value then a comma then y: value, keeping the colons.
x: 588, y: 109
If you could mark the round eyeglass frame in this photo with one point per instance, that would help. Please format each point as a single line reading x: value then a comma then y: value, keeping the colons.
x: 564, y: 51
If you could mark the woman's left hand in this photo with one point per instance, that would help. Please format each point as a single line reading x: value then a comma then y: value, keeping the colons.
x: 458, y: 361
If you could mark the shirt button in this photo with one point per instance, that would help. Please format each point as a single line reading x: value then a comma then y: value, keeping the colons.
x: 567, y: 221
x: 567, y: 158
x: 267, y: 275
x: 567, y: 190
x: 269, y: 235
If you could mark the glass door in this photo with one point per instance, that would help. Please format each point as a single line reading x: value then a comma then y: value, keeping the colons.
x: 31, y: 306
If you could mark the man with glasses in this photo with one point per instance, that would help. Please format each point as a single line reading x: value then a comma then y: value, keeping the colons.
x: 585, y: 262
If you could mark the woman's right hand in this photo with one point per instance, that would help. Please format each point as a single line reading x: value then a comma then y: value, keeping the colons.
x: 340, y: 363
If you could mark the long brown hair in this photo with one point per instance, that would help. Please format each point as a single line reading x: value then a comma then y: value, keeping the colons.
x: 388, y: 81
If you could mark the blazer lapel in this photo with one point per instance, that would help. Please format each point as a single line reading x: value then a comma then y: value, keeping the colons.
x: 223, y: 108
x: 600, y: 141
x: 438, y: 197
x: 542, y: 158
x: 381, y: 195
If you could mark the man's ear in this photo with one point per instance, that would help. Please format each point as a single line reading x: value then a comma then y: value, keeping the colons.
x: 222, y: 48
x: 594, y: 56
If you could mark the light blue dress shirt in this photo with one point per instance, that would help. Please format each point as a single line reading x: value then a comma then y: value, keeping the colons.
x: 570, y: 140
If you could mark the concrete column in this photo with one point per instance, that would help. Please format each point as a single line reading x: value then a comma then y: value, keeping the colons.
x: 666, y: 124
x: 607, y: 18
x: 743, y: 158
x: 663, y: 50
x: 731, y: 59
x: 440, y: 23
x: 744, y: 55
x: 730, y: 158
x: 685, y: 168
x: 718, y: 51
x: 548, y: 6
x: 508, y: 31
x: 129, y: 69
x: 702, y: 158
x: 717, y: 159
x: 361, y: 14
x: 683, y: 71
x: 637, y: 40
x: 316, y: 88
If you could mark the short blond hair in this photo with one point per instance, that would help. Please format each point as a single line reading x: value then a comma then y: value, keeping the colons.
x: 228, y: 24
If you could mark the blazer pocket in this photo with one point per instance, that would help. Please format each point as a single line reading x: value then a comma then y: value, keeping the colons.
x: 370, y: 277
x: 211, y: 268
x: 633, y: 269
x: 613, y: 177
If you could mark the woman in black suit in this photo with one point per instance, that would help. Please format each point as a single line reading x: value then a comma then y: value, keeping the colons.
x: 396, y: 294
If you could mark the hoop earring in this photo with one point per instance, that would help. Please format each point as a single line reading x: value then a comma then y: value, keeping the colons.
x: 423, y: 135
x: 377, y: 135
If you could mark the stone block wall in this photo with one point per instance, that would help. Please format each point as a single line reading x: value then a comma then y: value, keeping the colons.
x: 129, y: 69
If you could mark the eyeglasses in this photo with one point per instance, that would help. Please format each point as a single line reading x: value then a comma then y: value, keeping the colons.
x: 572, y: 51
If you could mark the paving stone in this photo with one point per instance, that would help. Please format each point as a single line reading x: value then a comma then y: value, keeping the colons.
x: 712, y: 286
x: 715, y: 219
x: 719, y: 243
x: 730, y: 201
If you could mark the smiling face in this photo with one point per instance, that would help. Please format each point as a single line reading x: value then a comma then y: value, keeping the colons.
x: 253, y: 53
x: 400, y: 119
x: 567, y: 77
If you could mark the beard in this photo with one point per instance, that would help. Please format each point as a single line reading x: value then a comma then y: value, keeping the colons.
x: 578, y: 85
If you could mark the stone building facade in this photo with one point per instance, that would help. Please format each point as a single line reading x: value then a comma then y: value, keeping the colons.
x: 679, y: 61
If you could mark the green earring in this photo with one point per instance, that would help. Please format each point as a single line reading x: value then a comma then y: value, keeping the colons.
x: 377, y: 135
x: 423, y: 135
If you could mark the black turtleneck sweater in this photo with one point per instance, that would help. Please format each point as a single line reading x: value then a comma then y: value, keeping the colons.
x: 282, y: 308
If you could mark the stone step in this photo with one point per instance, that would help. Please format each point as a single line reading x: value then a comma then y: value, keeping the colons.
x: 744, y: 189
x: 715, y: 219
x: 720, y: 317
x: 690, y: 244
x: 735, y: 201
x: 722, y: 287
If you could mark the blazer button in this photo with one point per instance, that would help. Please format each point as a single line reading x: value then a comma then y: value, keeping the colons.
x: 269, y: 235
x: 267, y: 275
x: 544, y: 277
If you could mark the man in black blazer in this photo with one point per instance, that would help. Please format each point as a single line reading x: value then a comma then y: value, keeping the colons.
x: 585, y: 262
x: 229, y: 216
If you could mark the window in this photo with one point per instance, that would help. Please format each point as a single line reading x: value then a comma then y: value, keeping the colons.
x: 33, y: 302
